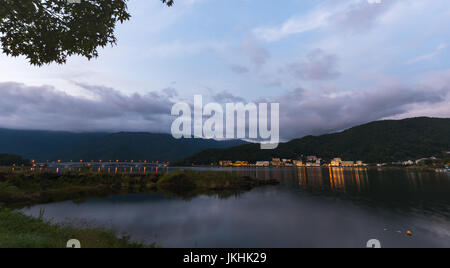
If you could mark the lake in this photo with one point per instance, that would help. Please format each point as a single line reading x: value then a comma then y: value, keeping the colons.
x: 312, y: 207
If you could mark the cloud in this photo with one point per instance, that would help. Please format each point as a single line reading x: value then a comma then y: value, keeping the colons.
x: 350, y: 15
x: 438, y: 50
x: 304, y: 24
x: 258, y: 55
x: 317, y: 66
x: 177, y: 49
x: 239, y: 69
x: 226, y: 97
x: 360, y: 16
x: 304, y: 112
x: 44, y: 107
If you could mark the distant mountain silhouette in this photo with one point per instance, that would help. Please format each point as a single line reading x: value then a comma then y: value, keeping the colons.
x: 9, y: 160
x: 50, y: 145
x: 376, y: 142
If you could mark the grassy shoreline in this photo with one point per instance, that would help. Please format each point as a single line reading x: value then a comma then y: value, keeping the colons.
x: 27, y: 188
x: 20, y: 231
x: 19, y: 189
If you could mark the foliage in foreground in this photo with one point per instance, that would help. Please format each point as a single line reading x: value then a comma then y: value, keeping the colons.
x: 20, y: 231
x: 188, y: 184
x: 25, y: 188
x: 35, y: 187
x: 47, y: 31
x: 207, y: 180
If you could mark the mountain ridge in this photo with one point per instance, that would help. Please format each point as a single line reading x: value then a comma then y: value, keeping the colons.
x: 59, y: 145
x: 374, y: 142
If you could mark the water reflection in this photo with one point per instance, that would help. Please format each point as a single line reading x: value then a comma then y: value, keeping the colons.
x: 312, y: 207
x: 353, y: 180
x: 128, y: 169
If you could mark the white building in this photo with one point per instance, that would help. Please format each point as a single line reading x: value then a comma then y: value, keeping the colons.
x: 262, y: 163
x: 408, y: 163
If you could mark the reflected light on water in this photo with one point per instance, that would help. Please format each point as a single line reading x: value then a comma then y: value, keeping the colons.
x: 312, y: 207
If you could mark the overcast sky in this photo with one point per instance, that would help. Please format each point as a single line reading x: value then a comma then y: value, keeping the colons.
x: 331, y: 64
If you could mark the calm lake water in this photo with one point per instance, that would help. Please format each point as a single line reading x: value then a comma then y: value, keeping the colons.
x: 316, y: 207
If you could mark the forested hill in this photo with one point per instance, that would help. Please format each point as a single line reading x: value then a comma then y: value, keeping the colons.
x: 375, y: 142
x: 51, y: 145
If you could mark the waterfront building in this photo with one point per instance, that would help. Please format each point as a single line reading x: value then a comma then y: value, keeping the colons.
x: 225, y: 163
x: 408, y: 163
x: 262, y: 163
x: 276, y: 162
x: 419, y: 161
x: 297, y: 163
x: 240, y: 164
x: 348, y: 163
x: 287, y: 162
x: 336, y: 162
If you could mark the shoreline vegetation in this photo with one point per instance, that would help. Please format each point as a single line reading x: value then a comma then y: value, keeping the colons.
x: 24, y: 188
x: 20, y: 231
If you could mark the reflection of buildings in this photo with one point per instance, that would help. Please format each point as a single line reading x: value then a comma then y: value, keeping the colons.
x: 348, y: 180
x: 332, y: 179
x: 337, y: 182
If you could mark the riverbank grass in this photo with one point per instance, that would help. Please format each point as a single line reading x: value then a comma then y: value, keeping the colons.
x: 26, y: 188
x: 20, y: 231
x: 209, y: 180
